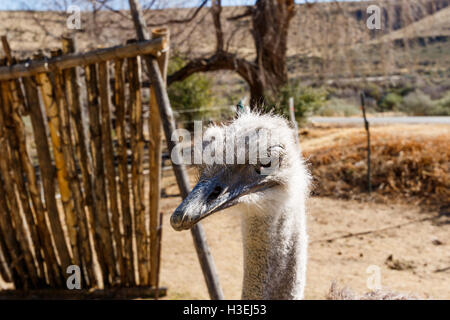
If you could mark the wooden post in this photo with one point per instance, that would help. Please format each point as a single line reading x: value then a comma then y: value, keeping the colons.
x: 70, y: 80
x: 155, y: 153
x: 47, y: 171
x: 51, y: 109
x: 366, y: 126
x: 20, y: 277
x: 19, y: 179
x: 17, y: 89
x: 137, y: 151
x: 6, y: 168
x: 109, y: 162
x: 18, y: 107
x: 5, y: 261
x: 119, y: 100
x: 80, y: 233
x: 292, y: 115
x: 53, y: 272
x: 165, y: 110
x: 103, y: 240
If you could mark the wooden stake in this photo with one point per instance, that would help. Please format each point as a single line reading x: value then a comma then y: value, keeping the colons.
x: 73, y: 95
x: 17, y: 173
x: 47, y: 171
x: 165, y: 110
x: 10, y: 192
x: 5, y: 261
x: 18, y: 107
x: 103, y: 240
x: 16, y: 87
x: 80, y: 218
x: 51, y: 108
x: 119, y: 100
x: 20, y: 277
x: 155, y: 153
x: 109, y: 163
x: 137, y: 150
x: 367, y: 127
x: 53, y: 270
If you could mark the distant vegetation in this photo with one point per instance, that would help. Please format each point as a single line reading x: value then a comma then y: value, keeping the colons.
x: 330, y: 101
x: 192, y: 97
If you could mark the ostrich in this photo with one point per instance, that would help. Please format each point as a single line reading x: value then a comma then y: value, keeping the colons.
x: 270, y: 193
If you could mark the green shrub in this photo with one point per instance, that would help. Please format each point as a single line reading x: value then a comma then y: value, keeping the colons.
x: 419, y: 104
x: 193, y: 92
x: 373, y: 91
x: 390, y: 101
x: 443, y: 106
x: 338, y: 108
x: 307, y: 100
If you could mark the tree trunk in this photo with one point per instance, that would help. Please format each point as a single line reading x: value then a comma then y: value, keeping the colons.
x: 268, y: 72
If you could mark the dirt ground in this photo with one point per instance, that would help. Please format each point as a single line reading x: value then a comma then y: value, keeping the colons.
x: 418, y: 240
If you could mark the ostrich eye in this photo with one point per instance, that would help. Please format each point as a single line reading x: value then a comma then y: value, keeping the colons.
x: 258, y: 167
x: 267, y: 165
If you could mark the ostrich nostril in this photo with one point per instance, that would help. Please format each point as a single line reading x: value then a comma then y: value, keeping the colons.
x: 215, y: 193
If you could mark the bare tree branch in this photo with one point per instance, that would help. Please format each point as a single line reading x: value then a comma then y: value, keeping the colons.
x: 248, y: 12
x: 219, y: 61
x: 179, y: 21
x: 216, y: 9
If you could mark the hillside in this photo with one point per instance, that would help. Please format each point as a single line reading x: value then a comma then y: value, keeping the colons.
x: 326, y: 40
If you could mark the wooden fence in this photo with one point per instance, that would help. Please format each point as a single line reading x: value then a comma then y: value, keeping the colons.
x: 72, y: 191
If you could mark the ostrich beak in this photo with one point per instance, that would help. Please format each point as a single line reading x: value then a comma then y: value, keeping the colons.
x: 210, y: 196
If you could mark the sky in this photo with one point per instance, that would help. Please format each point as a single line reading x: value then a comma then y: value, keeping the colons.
x: 117, y: 4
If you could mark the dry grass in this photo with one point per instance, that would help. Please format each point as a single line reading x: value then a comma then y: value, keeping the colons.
x: 406, y: 161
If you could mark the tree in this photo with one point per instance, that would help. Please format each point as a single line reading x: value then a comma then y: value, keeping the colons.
x: 269, y: 29
x: 192, y: 96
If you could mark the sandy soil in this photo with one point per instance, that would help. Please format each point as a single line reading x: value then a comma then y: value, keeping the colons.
x: 419, y: 242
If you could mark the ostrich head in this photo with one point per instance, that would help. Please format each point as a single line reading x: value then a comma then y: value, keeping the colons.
x: 254, y: 161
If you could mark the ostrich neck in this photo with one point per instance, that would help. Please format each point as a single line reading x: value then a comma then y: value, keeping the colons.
x: 275, y: 244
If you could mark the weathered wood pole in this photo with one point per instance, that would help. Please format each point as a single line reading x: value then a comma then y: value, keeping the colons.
x: 18, y: 108
x: 71, y: 84
x: 367, y: 127
x: 7, y: 232
x: 5, y: 261
x: 54, y: 275
x: 122, y: 155
x: 47, y: 170
x: 155, y: 153
x: 10, y: 189
x: 80, y: 59
x: 165, y: 110
x: 292, y: 116
x: 102, y: 227
x: 17, y: 88
x: 108, y: 152
x: 80, y: 216
x: 51, y: 108
x: 137, y: 151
